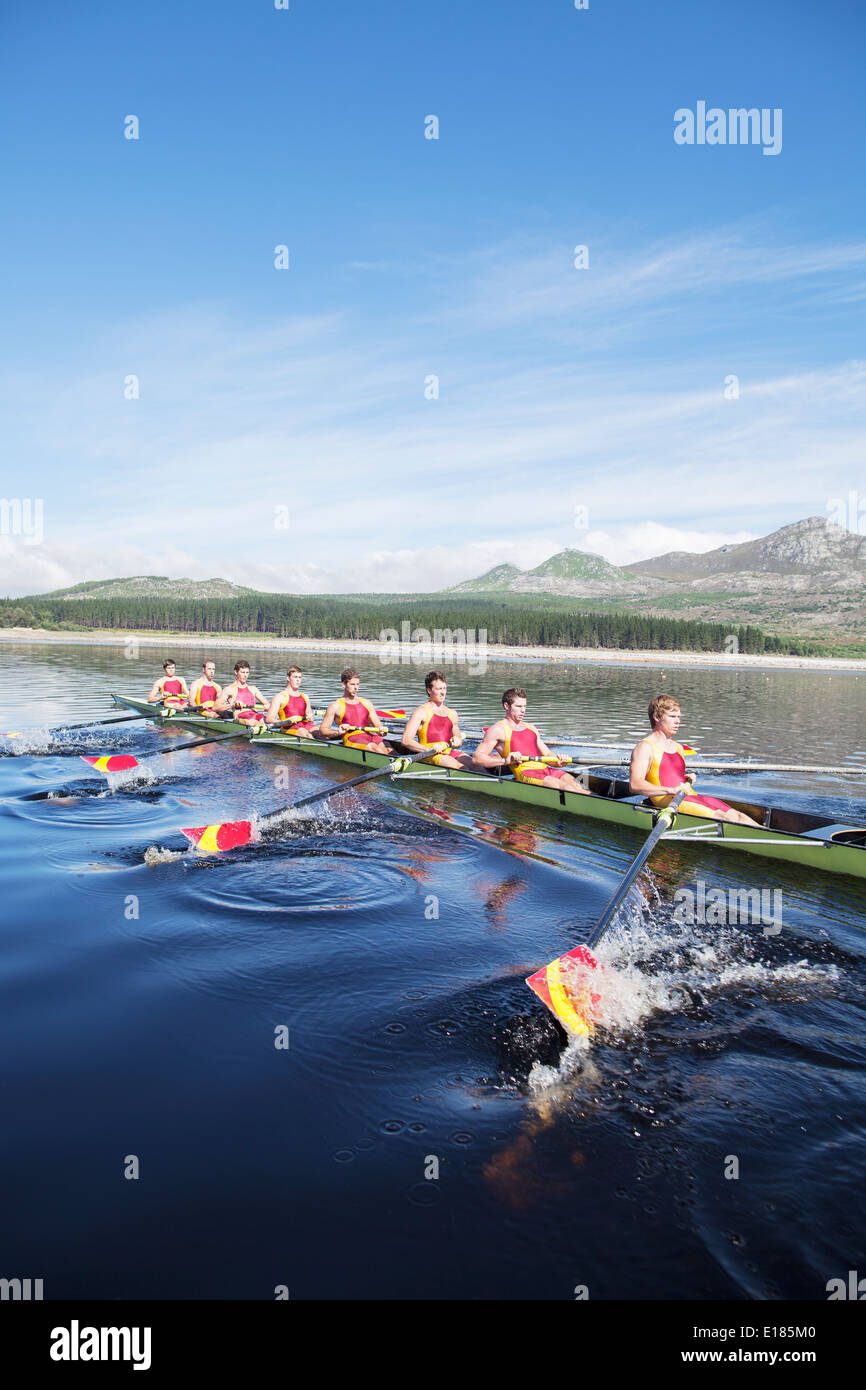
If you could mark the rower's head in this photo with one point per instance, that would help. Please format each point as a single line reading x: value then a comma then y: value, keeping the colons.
x: 294, y: 676
x: 168, y: 667
x: 351, y: 681
x: 665, y: 714
x: 436, y: 686
x: 208, y: 670
x: 514, y: 703
x: 242, y: 671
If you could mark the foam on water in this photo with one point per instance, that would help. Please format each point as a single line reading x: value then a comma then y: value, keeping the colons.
x: 154, y: 855
x: 29, y: 741
x: 141, y: 776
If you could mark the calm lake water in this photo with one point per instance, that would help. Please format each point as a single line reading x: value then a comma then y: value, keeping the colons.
x: 142, y: 987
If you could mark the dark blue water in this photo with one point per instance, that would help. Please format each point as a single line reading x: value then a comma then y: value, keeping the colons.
x: 142, y: 987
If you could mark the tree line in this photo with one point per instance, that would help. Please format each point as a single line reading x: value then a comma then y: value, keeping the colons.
x: 339, y: 618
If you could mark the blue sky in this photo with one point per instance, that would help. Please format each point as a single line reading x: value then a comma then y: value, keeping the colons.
x: 270, y: 397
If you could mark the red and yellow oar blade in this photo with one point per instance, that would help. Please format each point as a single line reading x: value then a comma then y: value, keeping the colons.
x: 391, y: 713
x: 216, y: 839
x: 565, y: 986
x: 112, y: 762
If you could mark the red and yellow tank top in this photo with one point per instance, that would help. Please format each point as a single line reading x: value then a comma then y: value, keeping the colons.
x: 293, y: 705
x: 523, y: 740
x: 204, y: 693
x: 668, y: 770
x: 359, y: 712
x: 665, y: 770
x: 437, y: 725
x: 172, y: 691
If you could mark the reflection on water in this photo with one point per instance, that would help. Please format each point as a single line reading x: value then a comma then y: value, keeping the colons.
x: 142, y: 986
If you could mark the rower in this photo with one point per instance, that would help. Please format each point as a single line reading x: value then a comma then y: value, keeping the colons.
x: 205, y: 691
x: 354, y: 716
x: 517, y: 745
x: 658, y: 767
x: 292, y: 703
x: 241, y: 699
x: 171, y: 690
x: 433, y: 723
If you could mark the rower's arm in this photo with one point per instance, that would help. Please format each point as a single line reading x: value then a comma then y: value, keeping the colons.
x: 638, y: 768
x: 225, y: 701
x: 273, y: 713
x: 408, y: 739
x: 456, y: 732
x: 155, y: 692
x: 184, y: 689
x: 326, y: 726
x: 485, y: 754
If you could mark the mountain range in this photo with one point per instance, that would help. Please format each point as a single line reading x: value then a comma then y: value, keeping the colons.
x: 806, y: 578
x: 809, y: 576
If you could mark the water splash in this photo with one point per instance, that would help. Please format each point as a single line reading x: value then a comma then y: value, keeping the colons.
x: 154, y: 855
x: 655, y: 966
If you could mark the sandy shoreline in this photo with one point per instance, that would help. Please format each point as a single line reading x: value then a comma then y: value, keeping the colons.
x: 418, y: 654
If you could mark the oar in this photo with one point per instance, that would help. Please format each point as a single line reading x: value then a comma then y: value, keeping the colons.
x: 565, y: 984
x: 122, y: 762
x: 216, y: 839
x: 398, y: 714
x: 706, y: 766
x: 776, y: 767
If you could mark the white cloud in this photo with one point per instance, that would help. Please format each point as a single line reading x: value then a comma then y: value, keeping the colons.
x: 649, y: 539
x: 386, y: 490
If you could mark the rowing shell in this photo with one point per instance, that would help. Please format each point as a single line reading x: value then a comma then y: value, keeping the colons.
x: 793, y: 837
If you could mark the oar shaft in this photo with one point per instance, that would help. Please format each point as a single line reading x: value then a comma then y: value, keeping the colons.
x: 662, y: 824
x: 776, y: 767
x: 704, y: 766
x: 195, y: 743
x: 394, y: 766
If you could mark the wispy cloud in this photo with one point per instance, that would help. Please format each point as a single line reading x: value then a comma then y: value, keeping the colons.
x: 327, y: 419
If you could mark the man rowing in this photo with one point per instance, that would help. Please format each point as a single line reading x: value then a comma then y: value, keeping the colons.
x: 292, y: 704
x: 246, y: 702
x: 658, y: 767
x: 170, y: 690
x: 205, y: 691
x: 433, y: 725
x: 515, y: 744
x: 357, y: 722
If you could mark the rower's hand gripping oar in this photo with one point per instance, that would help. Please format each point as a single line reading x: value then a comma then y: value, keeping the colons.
x: 565, y: 985
x: 123, y: 762
x: 216, y: 839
